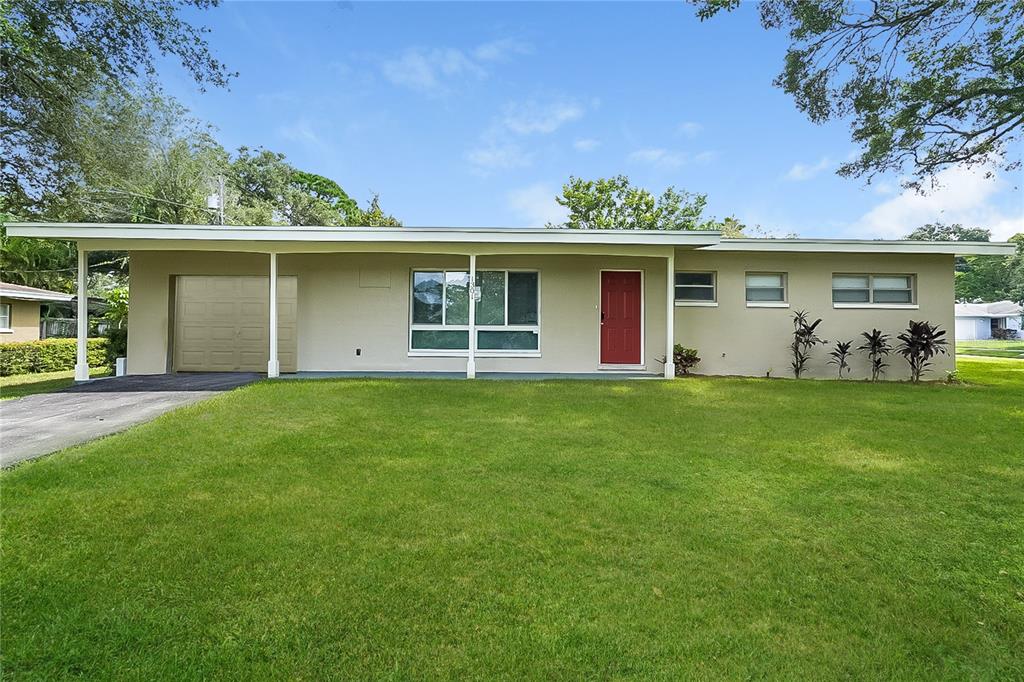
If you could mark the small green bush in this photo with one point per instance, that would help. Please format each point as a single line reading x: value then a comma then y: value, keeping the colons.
x: 48, y: 355
x: 684, y: 359
x: 117, y: 345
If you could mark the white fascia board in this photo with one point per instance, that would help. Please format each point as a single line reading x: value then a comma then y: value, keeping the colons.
x: 29, y: 296
x: 866, y: 246
x: 384, y: 235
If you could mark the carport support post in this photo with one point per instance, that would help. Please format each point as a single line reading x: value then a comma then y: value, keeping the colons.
x: 273, y: 366
x: 670, y: 315
x: 471, y: 362
x: 82, y: 291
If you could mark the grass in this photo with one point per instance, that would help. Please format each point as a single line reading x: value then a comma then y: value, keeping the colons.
x: 991, y: 348
x: 710, y: 528
x: 21, y: 385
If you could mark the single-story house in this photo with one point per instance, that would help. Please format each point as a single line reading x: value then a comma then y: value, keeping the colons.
x: 19, y: 310
x: 981, y: 320
x: 504, y: 300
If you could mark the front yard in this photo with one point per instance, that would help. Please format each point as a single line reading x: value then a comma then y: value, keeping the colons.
x: 409, y: 529
x: 992, y: 348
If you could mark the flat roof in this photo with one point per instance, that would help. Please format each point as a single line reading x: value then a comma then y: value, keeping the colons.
x: 867, y: 246
x: 710, y: 240
x: 472, y: 235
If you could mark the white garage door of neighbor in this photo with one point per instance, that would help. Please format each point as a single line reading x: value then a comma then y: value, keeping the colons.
x: 221, y: 324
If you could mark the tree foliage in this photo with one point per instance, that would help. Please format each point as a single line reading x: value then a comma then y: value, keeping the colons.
x: 980, y: 278
x: 613, y: 203
x: 928, y: 84
x: 54, y: 54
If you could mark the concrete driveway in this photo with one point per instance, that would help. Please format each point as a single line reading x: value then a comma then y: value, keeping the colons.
x: 46, y: 422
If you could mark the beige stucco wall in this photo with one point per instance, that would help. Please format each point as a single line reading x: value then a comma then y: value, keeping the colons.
x: 338, y: 312
x: 24, y: 321
x: 735, y: 339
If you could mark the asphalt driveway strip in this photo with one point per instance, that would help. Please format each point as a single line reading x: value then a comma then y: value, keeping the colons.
x: 39, y: 424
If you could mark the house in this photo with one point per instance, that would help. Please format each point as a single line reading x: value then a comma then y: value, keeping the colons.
x: 349, y: 299
x: 19, y: 310
x: 984, y: 320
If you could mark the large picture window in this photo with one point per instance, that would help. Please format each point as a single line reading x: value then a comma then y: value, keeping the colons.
x: 856, y: 290
x: 5, y: 316
x: 507, y: 312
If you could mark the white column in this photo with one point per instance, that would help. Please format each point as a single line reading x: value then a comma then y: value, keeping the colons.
x: 82, y: 290
x: 670, y: 315
x: 273, y: 366
x: 471, y: 362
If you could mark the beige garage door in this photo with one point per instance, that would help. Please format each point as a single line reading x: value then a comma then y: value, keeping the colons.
x: 221, y: 324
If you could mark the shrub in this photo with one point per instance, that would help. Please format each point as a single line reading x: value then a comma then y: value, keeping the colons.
x: 804, y: 340
x: 684, y: 359
x: 117, y: 345
x: 1004, y: 334
x: 48, y: 355
x: 877, y: 346
x: 919, y: 344
x: 841, y: 356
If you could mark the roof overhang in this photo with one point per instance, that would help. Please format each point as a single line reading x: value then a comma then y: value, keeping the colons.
x: 908, y: 246
x: 363, y: 235
x: 17, y: 295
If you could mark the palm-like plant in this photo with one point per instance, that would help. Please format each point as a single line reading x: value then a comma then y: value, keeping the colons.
x: 877, y: 346
x: 921, y: 342
x: 841, y: 356
x: 804, y: 340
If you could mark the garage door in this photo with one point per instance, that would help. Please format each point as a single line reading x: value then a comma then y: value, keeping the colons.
x: 221, y: 324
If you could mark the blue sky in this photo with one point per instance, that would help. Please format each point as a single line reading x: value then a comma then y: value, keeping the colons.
x: 474, y: 114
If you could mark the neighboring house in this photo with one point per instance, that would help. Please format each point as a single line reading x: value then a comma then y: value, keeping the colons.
x: 334, y: 299
x: 19, y: 310
x: 982, y: 320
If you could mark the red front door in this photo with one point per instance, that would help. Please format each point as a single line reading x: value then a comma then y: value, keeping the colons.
x: 620, y: 318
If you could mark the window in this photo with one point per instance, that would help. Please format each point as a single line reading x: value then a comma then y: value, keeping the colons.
x: 766, y: 288
x: 853, y: 290
x: 507, y: 312
x: 5, y: 316
x: 695, y: 287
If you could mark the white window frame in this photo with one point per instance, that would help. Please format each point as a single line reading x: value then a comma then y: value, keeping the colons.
x: 6, y: 328
x: 913, y: 305
x: 693, y: 303
x: 506, y: 327
x: 784, y: 303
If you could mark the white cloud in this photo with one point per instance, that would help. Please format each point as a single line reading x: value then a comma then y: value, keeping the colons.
x: 690, y: 128
x: 802, y: 171
x: 430, y: 69
x: 300, y: 131
x: 535, y: 116
x: 492, y: 156
x: 960, y: 195
x: 586, y: 144
x: 705, y: 156
x: 536, y: 204
x: 500, y: 50
x: 425, y: 70
x: 660, y: 158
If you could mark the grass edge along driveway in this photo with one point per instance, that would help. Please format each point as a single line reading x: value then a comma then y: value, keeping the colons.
x: 421, y: 529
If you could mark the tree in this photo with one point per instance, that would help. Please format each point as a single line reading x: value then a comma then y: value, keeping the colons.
x: 980, y: 278
x: 928, y: 84
x: 950, y: 233
x: 55, y: 53
x: 613, y: 203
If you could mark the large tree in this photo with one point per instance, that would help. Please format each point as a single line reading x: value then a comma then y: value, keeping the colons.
x: 980, y: 278
x: 613, y: 203
x: 54, y: 54
x: 928, y: 84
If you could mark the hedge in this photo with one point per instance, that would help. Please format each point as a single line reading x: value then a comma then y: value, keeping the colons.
x: 48, y: 355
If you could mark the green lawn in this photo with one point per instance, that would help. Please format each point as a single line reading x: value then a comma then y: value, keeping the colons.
x: 354, y: 529
x: 46, y: 382
x: 992, y: 348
